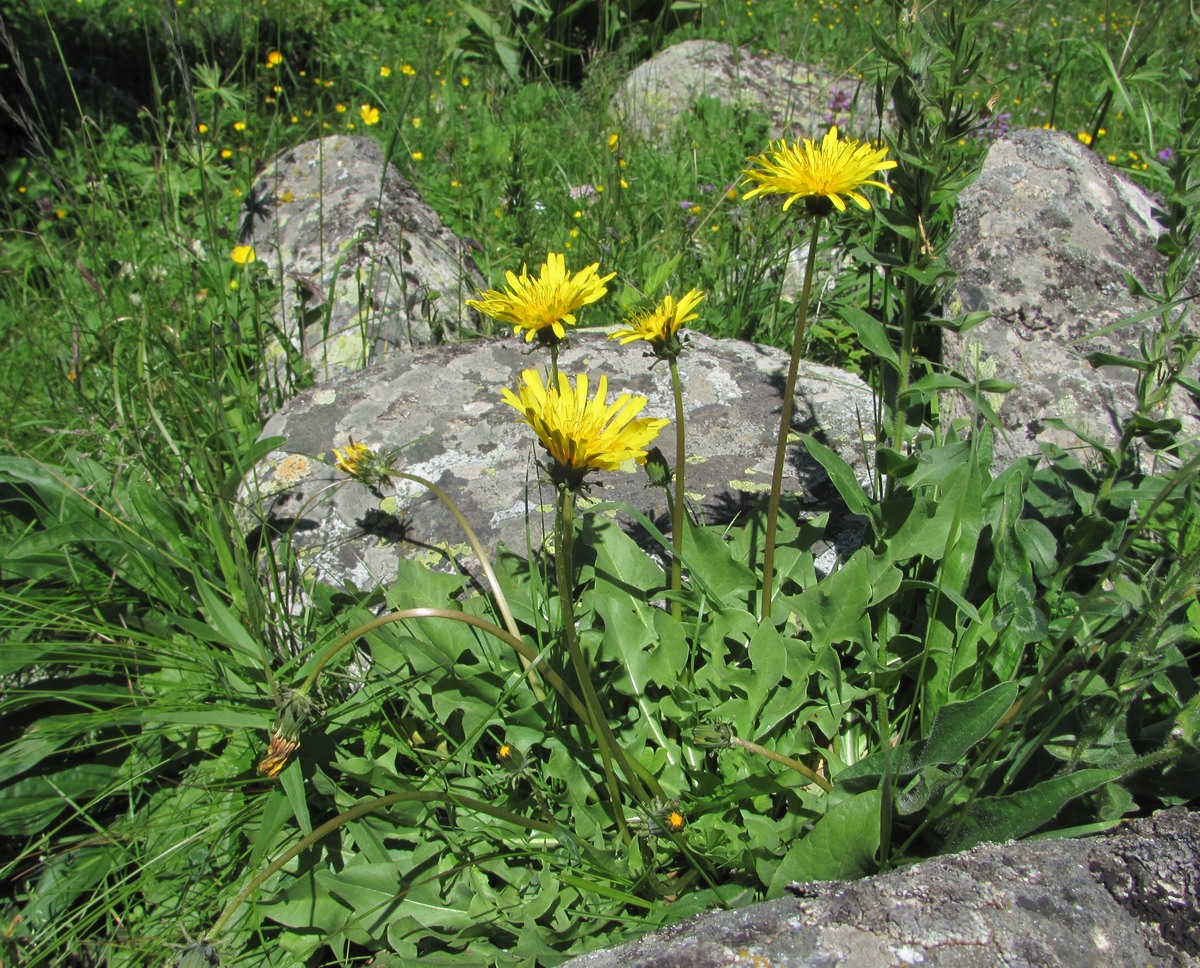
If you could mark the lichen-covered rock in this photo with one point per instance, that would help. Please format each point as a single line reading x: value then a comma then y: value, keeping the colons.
x: 799, y: 100
x: 1127, y: 899
x: 1043, y: 240
x: 364, y: 266
x: 442, y: 406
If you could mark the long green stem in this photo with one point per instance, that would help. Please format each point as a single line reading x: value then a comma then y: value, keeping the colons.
x: 427, y: 796
x: 785, y: 422
x: 677, y: 510
x: 565, y: 573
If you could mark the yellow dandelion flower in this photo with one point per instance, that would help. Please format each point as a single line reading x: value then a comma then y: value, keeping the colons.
x: 660, y: 326
x: 279, y: 750
x: 274, y: 59
x: 243, y: 255
x: 820, y: 175
x: 352, y: 458
x: 543, y: 305
x: 582, y: 433
x: 369, y: 115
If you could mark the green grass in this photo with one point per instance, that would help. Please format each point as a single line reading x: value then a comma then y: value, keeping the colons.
x: 1009, y: 653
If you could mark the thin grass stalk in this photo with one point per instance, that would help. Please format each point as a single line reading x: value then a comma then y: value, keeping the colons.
x: 489, y: 575
x: 785, y: 422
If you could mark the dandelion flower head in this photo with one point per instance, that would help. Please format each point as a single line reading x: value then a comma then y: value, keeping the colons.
x: 583, y: 433
x: 660, y: 326
x: 545, y: 305
x: 819, y: 174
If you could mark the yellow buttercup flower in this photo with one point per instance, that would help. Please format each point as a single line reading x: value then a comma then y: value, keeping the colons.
x: 274, y: 59
x: 243, y: 254
x: 369, y: 114
x: 543, y: 305
x: 660, y: 326
x: 583, y: 433
x: 820, y: 175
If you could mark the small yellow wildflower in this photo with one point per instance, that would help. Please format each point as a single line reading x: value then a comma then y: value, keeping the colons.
x: 243, y: 254
x: 239, y: 125
x: 416, y: 122
x: 407, y: 69
x: 614, y: 141
x: 418, y: 156
x: 274, y: 59
x: 340, y: 108
x: 202, y: 128
x: 369, y: 115
x: 385, y: 71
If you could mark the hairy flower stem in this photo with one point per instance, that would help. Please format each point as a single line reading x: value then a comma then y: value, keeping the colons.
x: 565, y: 573
x: 379, y: 803
x: 783, y: 761
x: 677, y: 509
x: 488, y: 574
x: 785, y: 423
x: 908, y: 327
x: 594, y: 715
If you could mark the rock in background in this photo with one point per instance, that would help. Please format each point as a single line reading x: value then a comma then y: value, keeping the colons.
x: 1131, y: 898
x: 1043, y: 240
x: 358, y: 254
x: 442, y: 406
x: 799, y: 100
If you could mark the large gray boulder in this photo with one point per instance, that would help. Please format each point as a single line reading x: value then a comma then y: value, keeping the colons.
x: 1131, y: 898
x: 1044, y: 240
x: 799, y: 100
x: 442, y: 406
x: 365, y: 267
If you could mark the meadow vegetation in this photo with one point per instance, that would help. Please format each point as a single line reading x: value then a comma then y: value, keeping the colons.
x: 574, y: 748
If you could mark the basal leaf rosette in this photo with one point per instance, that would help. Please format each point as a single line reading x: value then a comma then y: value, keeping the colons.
x: 582, y: 433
